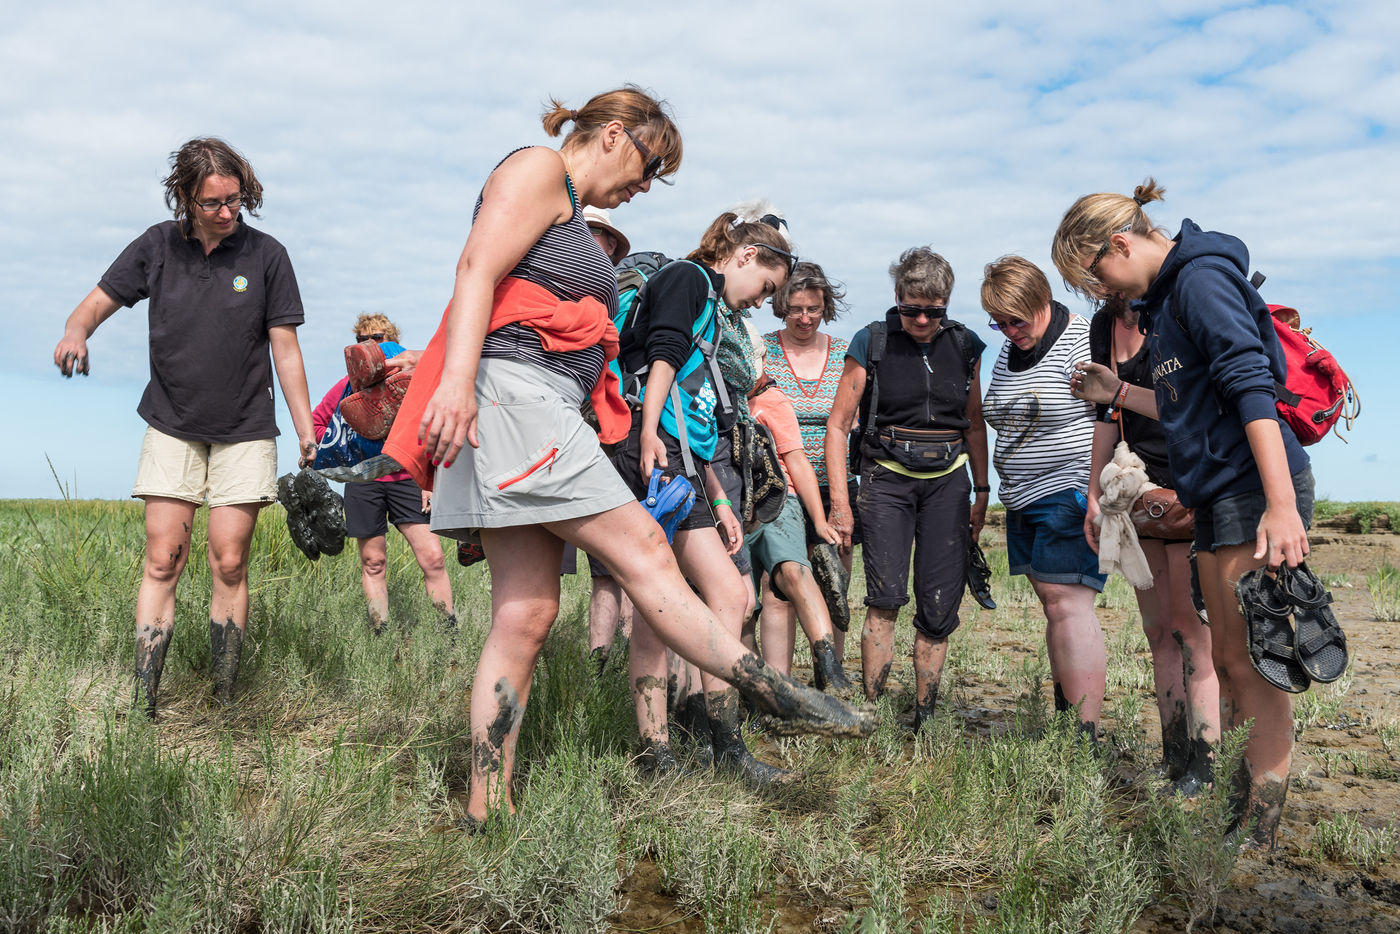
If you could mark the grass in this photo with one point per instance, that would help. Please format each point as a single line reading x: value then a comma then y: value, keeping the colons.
x: 324, y: 800
x: 1384, y: 585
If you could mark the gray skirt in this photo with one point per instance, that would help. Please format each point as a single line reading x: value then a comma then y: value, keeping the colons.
x: 539, y: 461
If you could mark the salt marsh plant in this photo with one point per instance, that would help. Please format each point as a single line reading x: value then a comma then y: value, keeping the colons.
x: 1384, y: 585
x: 1343, y: 839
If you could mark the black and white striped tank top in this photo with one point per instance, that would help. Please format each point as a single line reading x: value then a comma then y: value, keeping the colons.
x: 567, y: 261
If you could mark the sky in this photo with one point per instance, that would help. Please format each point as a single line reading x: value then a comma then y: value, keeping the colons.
x: 874, y: 127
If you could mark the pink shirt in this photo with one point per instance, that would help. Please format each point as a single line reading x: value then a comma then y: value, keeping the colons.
x: 774, y: 411
x: 321, y: 419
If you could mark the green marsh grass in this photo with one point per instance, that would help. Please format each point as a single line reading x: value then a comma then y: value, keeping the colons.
x: 326, y: 798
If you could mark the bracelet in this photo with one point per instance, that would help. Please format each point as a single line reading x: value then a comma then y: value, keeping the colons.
x: 981, y: 489
x: 1116, y: 406
x: 721, y: 502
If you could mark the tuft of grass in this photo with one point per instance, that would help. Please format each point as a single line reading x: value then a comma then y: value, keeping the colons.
x: 1384, y: 585
x: 1324, y: 705
x: 1342, y: 839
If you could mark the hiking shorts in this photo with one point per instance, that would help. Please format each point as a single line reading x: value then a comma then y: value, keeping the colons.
x: 1045, y: 541
x: 225, y: 474
x: 929, y: 517
x: 778, y: 542
x: 368, y: 503
x: 728, y: 476
x: 1234, y: 520
x: 538, y: 460
x: 626, y: 459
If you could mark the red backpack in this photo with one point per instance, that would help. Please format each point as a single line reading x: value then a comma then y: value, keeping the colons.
x: 1315, y: 393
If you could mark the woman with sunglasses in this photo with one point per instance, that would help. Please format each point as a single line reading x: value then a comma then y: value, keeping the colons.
x: 494, y: 405
x: 371, y: 506
x: 806, y: 362
x: 1188, y: 694
x: 920, y: 406
x: 222, y: 295
x: 1215, y: 359
x: 737, y: 266
x: 1044, y: 438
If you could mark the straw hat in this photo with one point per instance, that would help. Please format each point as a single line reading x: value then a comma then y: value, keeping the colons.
x: 599, y: 217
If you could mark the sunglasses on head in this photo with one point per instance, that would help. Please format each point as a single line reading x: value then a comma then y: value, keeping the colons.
x: 652, y: 165
x: 791, y: 258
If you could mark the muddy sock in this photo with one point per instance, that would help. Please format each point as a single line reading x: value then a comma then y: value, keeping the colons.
x: 1176, y: 743
x: 732, y: 755
x: 693, y: 727
x: 827, y: 670
x: 225, y: 645
x: 657, y: 759
x: 151, y: 646
x: 923, y: 712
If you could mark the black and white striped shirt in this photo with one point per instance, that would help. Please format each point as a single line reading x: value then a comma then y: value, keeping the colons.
x: 568, y: 262
x: 1044, y: 434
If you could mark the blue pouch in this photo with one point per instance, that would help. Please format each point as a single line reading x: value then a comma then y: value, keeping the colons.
x: 669, y: 503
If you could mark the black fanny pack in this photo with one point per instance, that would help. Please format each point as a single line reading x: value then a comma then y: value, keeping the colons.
x: 919, y: 450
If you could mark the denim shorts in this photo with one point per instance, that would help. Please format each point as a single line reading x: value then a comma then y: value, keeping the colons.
x: 1045, y: 541
x: 1234, y: 520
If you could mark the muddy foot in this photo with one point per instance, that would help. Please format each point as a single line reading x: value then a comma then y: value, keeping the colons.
x: 792, y: 708
x: 657, y: 760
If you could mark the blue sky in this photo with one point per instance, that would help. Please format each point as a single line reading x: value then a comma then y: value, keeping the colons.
x: 875, y: 127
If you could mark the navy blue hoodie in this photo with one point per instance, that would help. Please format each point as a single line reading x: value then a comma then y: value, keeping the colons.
x: 1215, y: 358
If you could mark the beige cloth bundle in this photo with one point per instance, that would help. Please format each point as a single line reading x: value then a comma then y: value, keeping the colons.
x: 1123, y: 480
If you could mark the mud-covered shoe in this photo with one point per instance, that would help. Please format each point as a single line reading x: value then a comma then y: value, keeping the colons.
x: 1272, y: 642
x: 979, y: 576
x: 225, y: 647
x: 298, y: 521
x: 365, y: 364
x: 323, y: 510
x: 834, y: 581
x: 792, y: 709
x: 1321, y: 644
x: 731, y: 754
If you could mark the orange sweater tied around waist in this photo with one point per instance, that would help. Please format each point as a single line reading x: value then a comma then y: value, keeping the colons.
x: 561, y: 324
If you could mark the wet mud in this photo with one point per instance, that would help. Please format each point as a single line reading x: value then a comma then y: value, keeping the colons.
x: 795, y: 708
x: 152, y: 642
x: 647, y: 687
x: 486, y: 752
x: 225, y: 648
x: 1176, y: 742
x: 731, y: 754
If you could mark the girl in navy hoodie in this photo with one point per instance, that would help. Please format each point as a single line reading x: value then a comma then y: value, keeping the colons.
x: 1214, y: 359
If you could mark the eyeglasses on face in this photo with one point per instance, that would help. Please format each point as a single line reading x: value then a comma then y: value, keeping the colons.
x: 913, y: 311
x: 378, y: 337
x: 212, y: 207
x: 791, y: 258
x: 1092, y: 268
x: 652, y: 165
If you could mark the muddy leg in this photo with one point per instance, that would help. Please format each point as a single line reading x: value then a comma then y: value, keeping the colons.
x: 225, y: 646
x: 1176, y: 741
x: 877, y: 649
x: 732, y: 756
x: 929, y: 655
x: 693, y: 726
x: 151, y: 645
x: 796, y: 708
x: 830, y: 676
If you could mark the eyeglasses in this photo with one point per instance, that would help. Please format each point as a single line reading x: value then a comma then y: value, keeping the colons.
x: 1103, y: 250
x: 378, y: 337
x: 913, y: 311
x: 652, y: 165
x: 791, y: 258
x: 212, y: 207
x: 996, y: 325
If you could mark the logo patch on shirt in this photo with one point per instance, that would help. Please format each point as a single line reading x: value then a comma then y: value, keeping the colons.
x: 240, y: 284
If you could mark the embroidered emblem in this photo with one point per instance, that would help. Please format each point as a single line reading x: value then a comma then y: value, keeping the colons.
x: 240, y: 284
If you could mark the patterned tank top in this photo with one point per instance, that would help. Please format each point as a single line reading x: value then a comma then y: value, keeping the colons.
x: 568, y: 262
x: 812, y: 399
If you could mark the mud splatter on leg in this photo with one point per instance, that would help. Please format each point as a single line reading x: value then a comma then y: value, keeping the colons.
x: 152, y: 642
x: 225, y: 647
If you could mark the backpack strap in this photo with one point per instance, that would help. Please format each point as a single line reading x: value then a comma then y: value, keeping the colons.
x: 879, y: 333
x: 1256, y: 279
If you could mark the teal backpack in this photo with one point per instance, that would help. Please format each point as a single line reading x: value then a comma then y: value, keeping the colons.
x: 699, y: 403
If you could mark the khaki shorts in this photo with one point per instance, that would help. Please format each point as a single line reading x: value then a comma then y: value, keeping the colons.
x: 227, y: 474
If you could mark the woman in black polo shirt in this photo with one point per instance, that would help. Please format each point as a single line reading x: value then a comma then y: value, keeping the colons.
x: 221, y: 295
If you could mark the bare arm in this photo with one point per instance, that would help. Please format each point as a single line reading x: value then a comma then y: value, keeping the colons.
x: 1101, y: 452
x: 804, y: 481
x: 1096, y: 383
x: 1281, y: 536
x: 730, y: 529
x: 521, y: 200
x: 838, y: 426
x: 291, y: 376
x: 71, y: 354
x: 976, y: 439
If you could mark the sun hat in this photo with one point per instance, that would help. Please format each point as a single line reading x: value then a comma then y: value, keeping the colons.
x: 599, y: 217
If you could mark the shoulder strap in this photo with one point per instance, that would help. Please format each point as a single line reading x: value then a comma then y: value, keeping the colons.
x: 967, y: 349
x: 878, y: 335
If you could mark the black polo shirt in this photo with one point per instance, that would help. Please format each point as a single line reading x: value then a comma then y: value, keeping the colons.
x: 211, y: 370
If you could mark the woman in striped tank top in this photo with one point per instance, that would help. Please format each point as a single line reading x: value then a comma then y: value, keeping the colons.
x: 522, y: 344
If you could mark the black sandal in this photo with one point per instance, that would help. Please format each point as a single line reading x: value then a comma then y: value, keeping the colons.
x: 1322, y: 646
x: 979, y: 576
x: 1272, y: 644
